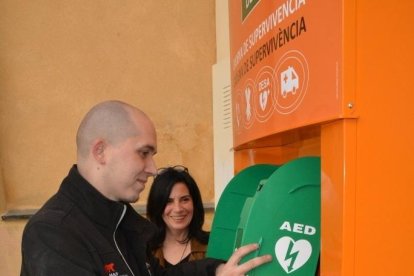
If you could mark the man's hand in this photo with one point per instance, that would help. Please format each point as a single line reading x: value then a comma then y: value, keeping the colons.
x: 232, y: 267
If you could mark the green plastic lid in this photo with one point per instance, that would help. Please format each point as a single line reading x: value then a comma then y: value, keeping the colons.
x: 284, y: 218
x: 227, y: 214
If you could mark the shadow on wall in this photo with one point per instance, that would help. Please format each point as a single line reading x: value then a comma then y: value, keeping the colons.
x: 2, y: 194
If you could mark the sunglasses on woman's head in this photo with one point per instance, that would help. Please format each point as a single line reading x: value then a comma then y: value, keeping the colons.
x: 178, y: 168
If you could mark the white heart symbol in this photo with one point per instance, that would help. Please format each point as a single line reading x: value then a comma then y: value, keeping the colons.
x: 263, y: 99
x: 292, y: 255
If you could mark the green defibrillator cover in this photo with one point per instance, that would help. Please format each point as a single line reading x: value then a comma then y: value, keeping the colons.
x: 227, y: 214
x: 284, y: 218
x: 277, y: 207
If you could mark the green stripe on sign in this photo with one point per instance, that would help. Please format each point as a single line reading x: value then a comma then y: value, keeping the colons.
x: 247, y: 7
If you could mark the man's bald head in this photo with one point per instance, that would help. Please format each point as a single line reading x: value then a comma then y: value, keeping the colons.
x: 111, y: 121
x: 116, y: 144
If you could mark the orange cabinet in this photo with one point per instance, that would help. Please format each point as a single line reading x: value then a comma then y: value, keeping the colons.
x: 333, y: 79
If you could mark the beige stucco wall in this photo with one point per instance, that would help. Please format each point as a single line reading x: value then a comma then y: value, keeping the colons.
x: 58, y: 58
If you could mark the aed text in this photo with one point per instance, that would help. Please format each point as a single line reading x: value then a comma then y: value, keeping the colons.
x: 298, y: 228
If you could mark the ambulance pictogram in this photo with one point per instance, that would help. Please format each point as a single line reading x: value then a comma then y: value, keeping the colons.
x: 289, y: 81
x: 292, y: 75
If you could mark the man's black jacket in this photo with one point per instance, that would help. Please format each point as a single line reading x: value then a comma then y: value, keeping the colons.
x: 80, y: 232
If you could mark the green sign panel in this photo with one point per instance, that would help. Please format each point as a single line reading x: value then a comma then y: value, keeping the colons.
x: 247, y: 7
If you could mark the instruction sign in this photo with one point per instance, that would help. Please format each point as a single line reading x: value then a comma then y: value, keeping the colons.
x: 285, y: 65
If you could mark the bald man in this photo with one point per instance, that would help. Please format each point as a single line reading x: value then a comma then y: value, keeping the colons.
x: 89, y: 227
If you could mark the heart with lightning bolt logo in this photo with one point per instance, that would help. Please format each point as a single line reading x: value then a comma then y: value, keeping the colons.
x: 292, y: 254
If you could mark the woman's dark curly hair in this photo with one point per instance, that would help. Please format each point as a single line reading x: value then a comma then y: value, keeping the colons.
x: 158, y: 198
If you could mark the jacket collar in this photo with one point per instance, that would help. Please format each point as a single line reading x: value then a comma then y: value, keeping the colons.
x: 98, y: 208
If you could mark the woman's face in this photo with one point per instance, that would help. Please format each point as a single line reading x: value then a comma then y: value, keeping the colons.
x: 179, y: 209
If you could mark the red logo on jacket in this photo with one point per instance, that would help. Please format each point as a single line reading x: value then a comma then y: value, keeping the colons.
x: 109, y: 267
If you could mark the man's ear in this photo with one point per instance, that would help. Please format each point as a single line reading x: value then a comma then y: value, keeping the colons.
x: 98, y: 151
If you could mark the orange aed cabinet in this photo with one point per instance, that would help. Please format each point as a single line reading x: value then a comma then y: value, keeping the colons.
x: 333, y: 79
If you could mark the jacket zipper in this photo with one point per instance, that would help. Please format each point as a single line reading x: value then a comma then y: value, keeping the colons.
x: 116, y: 245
